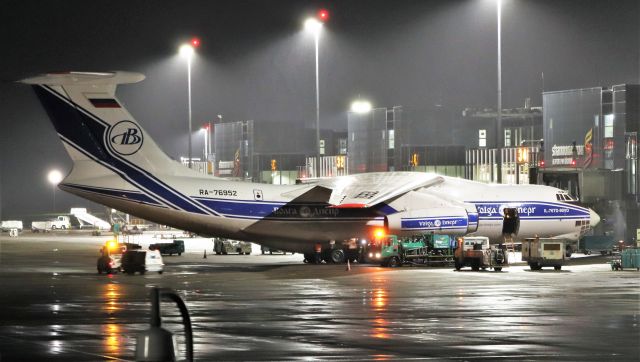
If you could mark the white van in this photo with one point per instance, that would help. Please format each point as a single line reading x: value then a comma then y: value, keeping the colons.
x: 142, y: 261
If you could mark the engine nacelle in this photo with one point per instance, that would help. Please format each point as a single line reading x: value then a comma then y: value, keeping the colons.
x: 436, y: 220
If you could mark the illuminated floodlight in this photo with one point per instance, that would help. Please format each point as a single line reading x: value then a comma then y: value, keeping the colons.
x: 361, y: 106
x: 312, y: 25
x: 186, y: 50
x: 54, y: 177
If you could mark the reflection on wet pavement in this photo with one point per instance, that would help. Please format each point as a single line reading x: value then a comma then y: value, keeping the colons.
x: 285, y: 312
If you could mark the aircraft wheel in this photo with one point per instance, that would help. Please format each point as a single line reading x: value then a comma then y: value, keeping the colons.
x: 499, y: 268
x: 337, y: 256
x: 557, y: 267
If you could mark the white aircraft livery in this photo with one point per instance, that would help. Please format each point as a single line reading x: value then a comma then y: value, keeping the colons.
x: 117, y: 164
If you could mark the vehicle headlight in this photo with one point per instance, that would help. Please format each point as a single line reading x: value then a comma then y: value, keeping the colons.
x: 371, y: 255
x: 377, y: 255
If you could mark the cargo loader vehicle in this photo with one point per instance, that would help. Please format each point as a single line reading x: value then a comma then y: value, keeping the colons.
x: 475, y: 252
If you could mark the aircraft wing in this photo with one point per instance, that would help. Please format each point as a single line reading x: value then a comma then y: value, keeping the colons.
x: 369, y: 189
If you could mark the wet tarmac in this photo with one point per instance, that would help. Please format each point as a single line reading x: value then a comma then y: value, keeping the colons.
x: 55, y: 307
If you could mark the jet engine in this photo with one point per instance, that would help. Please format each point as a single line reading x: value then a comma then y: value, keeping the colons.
x: 451, y: 220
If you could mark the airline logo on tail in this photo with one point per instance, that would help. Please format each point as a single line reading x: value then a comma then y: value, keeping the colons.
x: 125, y: 138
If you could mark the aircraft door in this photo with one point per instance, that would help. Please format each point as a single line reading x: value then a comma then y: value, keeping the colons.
x: 511, y: 221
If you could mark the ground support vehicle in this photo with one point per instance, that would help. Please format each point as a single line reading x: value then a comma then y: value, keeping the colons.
x: 142, y: 261
x: 110, y: 257
x: 478, y: 254
x: 395, y: 252
x: 419, y: 250
x: 176, y: 247
x: 542, y: 252
x: 41, y: 226
x: 61, y: 222
x: 602, y: 244
x: 8, y: 225
x: 226, y: 246
x: 629, y: 259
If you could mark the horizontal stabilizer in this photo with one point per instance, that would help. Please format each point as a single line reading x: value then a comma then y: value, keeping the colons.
x: 88, y: 78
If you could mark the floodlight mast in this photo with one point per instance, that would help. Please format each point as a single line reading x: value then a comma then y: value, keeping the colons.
x: 187, y: 51
x: 315, y: 26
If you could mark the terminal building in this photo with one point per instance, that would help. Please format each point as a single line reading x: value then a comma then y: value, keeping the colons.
x: 583, y: 141
x: 590, y: 150
x: 261, y: 152
x: 397, y: 139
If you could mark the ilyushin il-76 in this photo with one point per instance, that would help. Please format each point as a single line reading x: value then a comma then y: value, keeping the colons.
x: 117, y: 164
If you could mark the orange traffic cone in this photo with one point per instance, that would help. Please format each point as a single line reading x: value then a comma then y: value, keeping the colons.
x: 205, y: 254
x: 348, y: 265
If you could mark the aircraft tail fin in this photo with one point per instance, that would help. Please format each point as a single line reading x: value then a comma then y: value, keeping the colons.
x: 95, y: 126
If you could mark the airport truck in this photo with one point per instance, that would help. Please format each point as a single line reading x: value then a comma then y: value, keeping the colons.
x: 421, y: 250
x: 226, y: 246
x: 543, y: 252
x: 476, y: 253
x: 175, y: 247
x: 61, y: 222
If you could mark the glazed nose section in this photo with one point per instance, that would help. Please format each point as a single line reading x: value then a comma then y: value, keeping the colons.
x: 594, y: 218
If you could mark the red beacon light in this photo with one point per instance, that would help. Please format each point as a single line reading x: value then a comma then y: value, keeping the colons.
x: 195, y: 42
x: 323, y: 15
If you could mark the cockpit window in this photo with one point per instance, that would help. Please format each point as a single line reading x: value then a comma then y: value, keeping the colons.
x: 564, y: 197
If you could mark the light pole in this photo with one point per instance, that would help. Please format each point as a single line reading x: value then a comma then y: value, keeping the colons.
x: 54, y: 178
x: 499, y: 118
x: 205, y: 131
x: 315, y: 26
x: 186, y: 51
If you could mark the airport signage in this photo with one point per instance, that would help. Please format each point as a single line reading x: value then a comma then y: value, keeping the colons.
x: 566, y: 155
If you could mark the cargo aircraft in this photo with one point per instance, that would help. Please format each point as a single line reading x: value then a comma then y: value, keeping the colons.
x: 117, y: 164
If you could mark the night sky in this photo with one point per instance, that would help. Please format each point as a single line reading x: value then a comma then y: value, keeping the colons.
x: 256, y: 62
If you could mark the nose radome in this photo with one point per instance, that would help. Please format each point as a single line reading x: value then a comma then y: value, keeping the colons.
x: 594, y: 218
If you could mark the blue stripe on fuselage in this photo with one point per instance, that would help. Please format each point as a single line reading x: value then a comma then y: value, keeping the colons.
x: 530, y: 210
